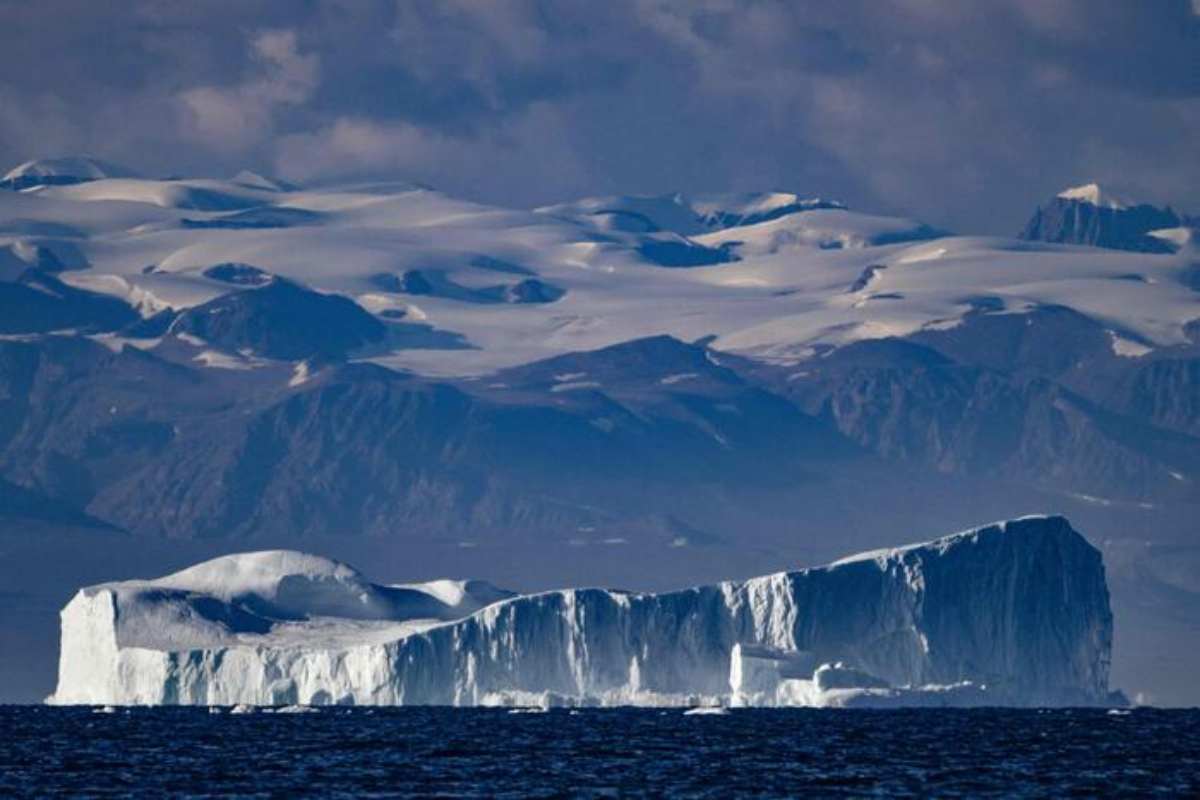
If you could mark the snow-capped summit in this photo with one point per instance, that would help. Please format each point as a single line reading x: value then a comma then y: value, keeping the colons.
x: 1096, y: 195
x: 61, y: 171
x: 633, y: 213
x: 1094, y: 215
x: 736, y: 210
x: 687, y: 216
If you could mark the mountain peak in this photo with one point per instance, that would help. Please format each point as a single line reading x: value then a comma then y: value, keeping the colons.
x: 1094, y: 215
x: 1096, y: 195
x: 688, y: 216
x: 63, y: 170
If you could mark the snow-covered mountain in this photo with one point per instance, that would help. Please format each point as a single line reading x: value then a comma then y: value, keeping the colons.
x: 1093, y: 215
x: 644, y: 385
x: 686, y: 216
x: 771, y: 276
x: 1011, y: 614
x: 1063, y: 366
x: 61, y: 172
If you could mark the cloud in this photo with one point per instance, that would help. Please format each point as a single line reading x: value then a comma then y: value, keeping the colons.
x: 237, y: 117
x: 531, y: 146
x: 358, y: 145
x: 965, y: 114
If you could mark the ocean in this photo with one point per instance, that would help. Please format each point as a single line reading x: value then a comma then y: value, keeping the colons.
x: 494, y: 753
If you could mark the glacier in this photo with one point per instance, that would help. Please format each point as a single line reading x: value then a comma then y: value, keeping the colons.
x: 1013, y: 613
x: 770, y: 276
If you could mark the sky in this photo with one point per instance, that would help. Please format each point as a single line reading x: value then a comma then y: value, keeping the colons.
x: 964, y: 114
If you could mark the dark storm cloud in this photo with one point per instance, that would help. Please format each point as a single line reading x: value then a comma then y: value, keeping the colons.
x: 963, y: 113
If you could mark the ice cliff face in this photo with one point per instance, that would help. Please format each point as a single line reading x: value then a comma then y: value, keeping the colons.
x: 1012, y: 613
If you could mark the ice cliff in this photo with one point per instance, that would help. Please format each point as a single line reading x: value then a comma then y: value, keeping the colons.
x: 1014, y: 613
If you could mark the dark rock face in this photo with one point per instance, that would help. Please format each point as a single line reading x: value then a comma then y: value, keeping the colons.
x: 195, y: 198
x: 413, y: 281
x: 678, y: 215
x: 680, y: 252
x: 61, y: 172
x: 1046, y: 341
x: 165, y: 449
x: 1161, y: 389
x: 281, y: 320
x: 726, y: 219
x: 434, y: 282
x: 38, y: 302
x: 29, y: 181
x: 532, y: 290
x: 1036, y: 397
x: 919, y: 233
x: 151, y: 327
x: 865, y: 278
x: 652, y: 437
x: 24, y: 508
x: 967, y: 420
x: 1068, y: 221
x: 662, y: 387
x: 256, y: 219
x: 55, y: 255
x: 238, y: 274
x: 634, y: 363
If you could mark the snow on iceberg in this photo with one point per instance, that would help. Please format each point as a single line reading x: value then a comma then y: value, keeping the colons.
x: 1015, y: 613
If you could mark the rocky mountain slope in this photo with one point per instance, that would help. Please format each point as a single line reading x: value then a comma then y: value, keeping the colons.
x: 1091, y: 216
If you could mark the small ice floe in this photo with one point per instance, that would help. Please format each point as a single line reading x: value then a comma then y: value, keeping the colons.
x: 572, y: 386
x: 301, y: 374
x: 1119, y: 712
x: 706, y: 711
x: 242, y: 708
x: 216, y: 710
x: 297, y: 710
x: 528, y: 710
x: 105, y: 710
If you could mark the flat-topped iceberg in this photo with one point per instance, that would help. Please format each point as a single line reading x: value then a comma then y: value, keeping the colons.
x: 1015, y: 613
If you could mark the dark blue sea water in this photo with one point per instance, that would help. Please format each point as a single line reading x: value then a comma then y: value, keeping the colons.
x: 597, y: 753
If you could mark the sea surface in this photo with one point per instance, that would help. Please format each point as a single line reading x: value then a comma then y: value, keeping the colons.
x: 429, y: 752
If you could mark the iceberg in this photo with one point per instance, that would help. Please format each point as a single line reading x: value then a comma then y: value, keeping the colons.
x: 1013, y: 613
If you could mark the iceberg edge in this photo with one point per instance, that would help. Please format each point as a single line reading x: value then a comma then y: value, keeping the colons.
x: 1014, y: 613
